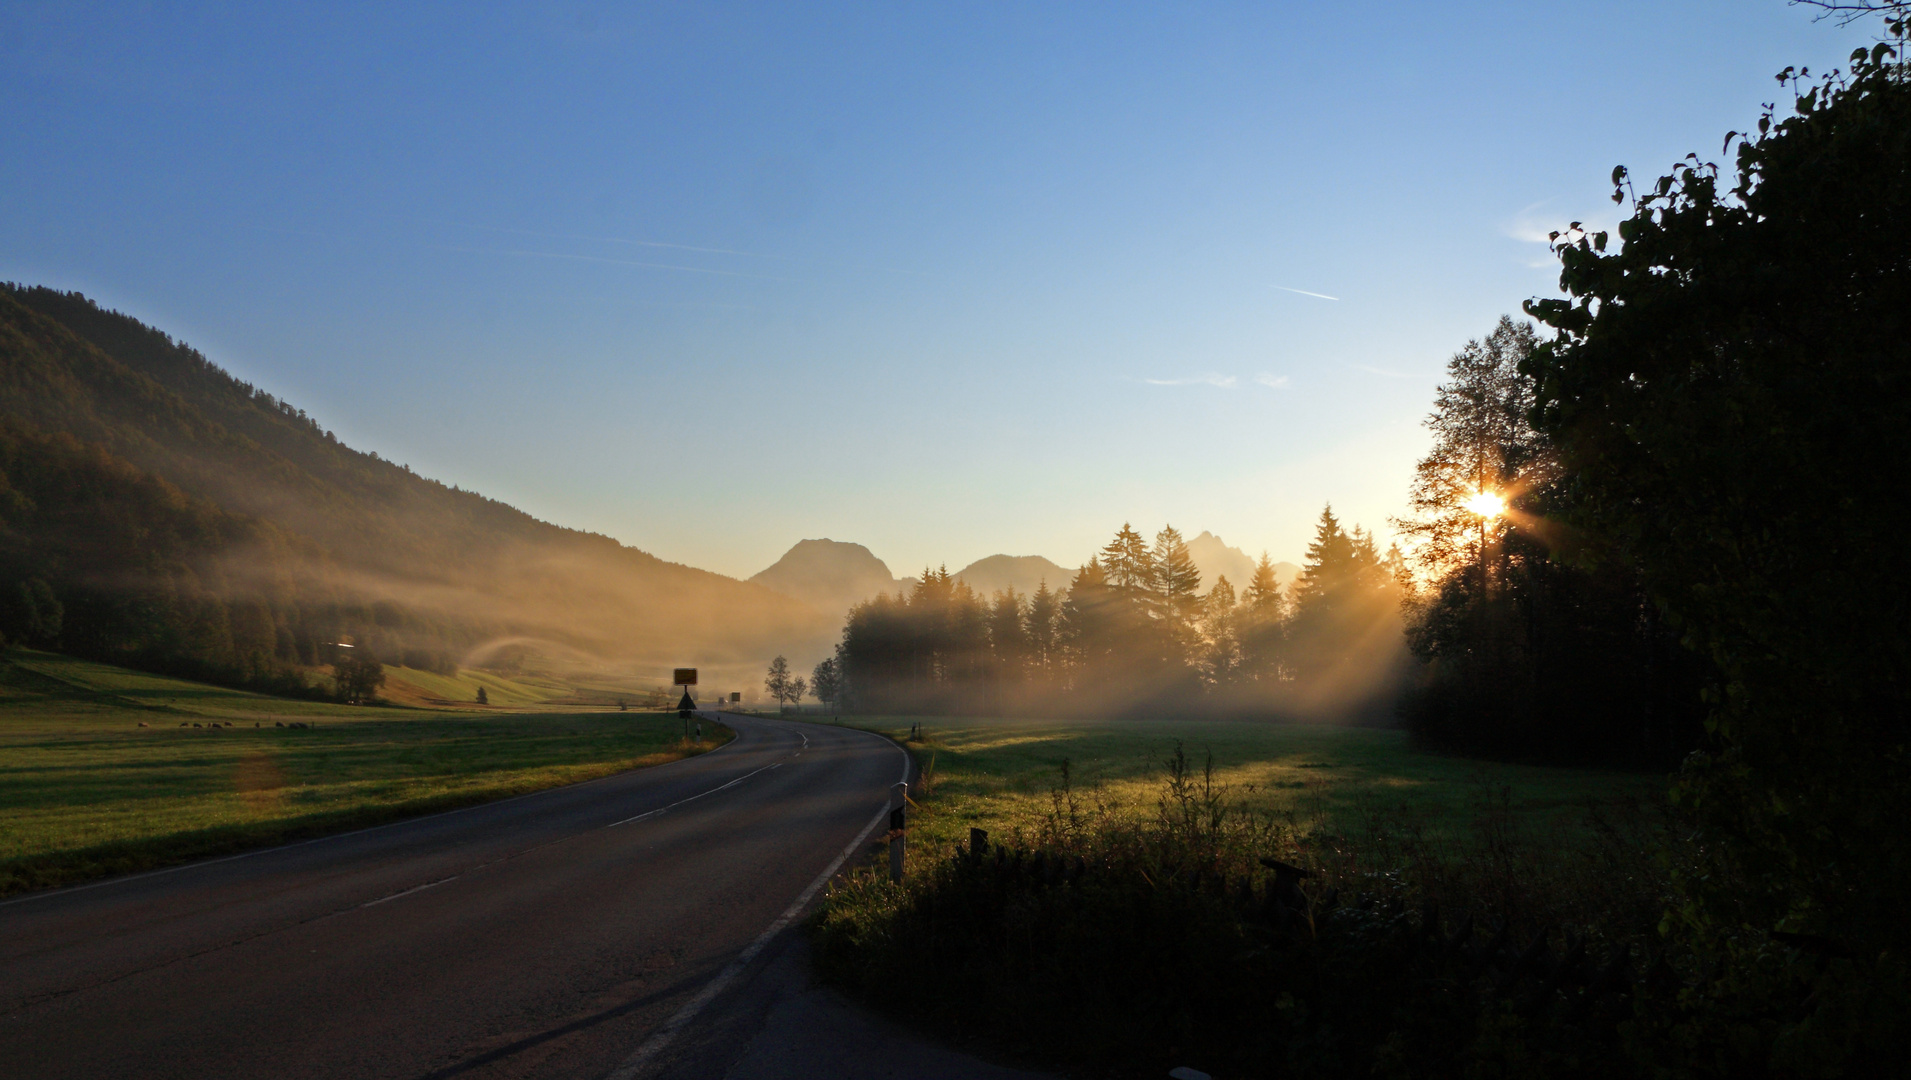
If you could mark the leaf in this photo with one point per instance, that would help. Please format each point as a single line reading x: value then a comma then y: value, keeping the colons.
x: 1618, y: 175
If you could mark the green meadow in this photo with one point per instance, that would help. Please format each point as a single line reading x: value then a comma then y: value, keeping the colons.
x: 1335, y: 794
x: 105, y: 770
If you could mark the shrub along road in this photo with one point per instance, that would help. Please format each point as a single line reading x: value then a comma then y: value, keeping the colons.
x: 570, y: 932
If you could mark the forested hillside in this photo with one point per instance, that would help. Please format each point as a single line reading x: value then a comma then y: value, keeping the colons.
x: 156, y: 511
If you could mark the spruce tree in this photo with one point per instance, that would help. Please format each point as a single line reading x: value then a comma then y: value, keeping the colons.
x: 1126, y: 561
x: 1220, y: 633
x: 1041, y: 625
x: 1262, y: 624
x: 1177, y: 580
x: 1008, y: 639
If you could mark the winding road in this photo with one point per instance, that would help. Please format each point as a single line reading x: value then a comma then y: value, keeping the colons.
x: 600, y: 930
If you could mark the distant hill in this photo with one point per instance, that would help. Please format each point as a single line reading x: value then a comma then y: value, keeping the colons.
x: 1024, y: 573
x: 829, y: 575
x: 157, y: 512
x: 1215, y: 558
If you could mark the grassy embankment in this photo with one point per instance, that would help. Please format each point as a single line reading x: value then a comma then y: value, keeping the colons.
x: 85, y: 791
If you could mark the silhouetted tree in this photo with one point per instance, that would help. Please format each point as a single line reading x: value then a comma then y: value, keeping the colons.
x: 358, y: 676
x: 1008, y: 641
x: 826, y: 681
x: 1261, y: 626
x: 1127, y: 563
x: 778, y: 682
x: 1042, y: 625
x: 1728, y: 392
x: 1221, y: 640
x: 1523, y: 652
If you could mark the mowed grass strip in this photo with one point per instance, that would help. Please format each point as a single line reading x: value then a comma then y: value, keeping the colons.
x: 86, y: 792
x: 1326, y: 782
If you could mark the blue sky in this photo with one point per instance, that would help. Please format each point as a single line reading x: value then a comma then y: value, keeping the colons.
x: 946, y: 281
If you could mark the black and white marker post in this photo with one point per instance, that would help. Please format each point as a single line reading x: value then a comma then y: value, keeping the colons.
x: 898, y: 805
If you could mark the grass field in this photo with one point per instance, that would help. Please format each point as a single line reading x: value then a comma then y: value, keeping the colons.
x: 105, y: 770
x: 1351, y: 802
x: 1000, y: 774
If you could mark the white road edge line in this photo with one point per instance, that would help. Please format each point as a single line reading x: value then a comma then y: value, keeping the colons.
x: 656, y: 1043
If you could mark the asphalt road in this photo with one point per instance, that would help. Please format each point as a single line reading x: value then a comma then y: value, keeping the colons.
x: 600, y: 930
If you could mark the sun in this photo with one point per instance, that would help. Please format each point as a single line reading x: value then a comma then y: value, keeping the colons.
x: 1486, y: 504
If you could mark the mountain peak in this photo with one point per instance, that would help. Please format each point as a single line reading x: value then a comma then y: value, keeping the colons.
x: 833, y: 575
x: 1023, y: 573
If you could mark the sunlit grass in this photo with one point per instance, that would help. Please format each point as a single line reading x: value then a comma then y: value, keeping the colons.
x: 85, y: 790
x: 1324, y: 781
x: 463, y: 687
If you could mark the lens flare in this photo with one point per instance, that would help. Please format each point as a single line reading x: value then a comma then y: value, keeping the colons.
x: 1486, y: 504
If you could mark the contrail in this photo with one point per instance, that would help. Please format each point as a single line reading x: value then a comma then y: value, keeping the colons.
x: 1304, y: 292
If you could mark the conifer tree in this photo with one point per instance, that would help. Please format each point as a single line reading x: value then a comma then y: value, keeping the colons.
x: 1127, y: 563
x: 1085, y: 632
x: 1262, y: 624
x: 1177, y: 580
x: 1041, y: 626
x: 1008, y: 639
x: 1221, y: 640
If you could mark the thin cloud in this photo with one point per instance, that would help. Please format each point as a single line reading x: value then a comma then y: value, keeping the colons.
x: 1304, y: 292
x: 1210, y: 379
x: 1535, y: 225
x: 1272, y: 382
x: 613, y: 262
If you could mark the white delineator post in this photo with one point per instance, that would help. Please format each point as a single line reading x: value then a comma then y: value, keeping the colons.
x: 898, y: 812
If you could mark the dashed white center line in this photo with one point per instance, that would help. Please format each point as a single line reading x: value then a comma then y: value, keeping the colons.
x: 693, y: 798
x: 408, y: 892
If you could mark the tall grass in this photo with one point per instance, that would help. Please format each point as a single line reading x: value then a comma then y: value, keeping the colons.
x: 1125, y: 938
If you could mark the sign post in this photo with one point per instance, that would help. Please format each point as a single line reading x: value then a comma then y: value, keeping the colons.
x: 898, y: 829
x: 685, y: 677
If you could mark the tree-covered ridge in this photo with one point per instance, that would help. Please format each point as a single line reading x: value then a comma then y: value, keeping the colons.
x: 231, y: 510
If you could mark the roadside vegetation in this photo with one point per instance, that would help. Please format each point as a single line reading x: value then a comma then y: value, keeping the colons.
x: 1121, y: 918
x: 86, y: 791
